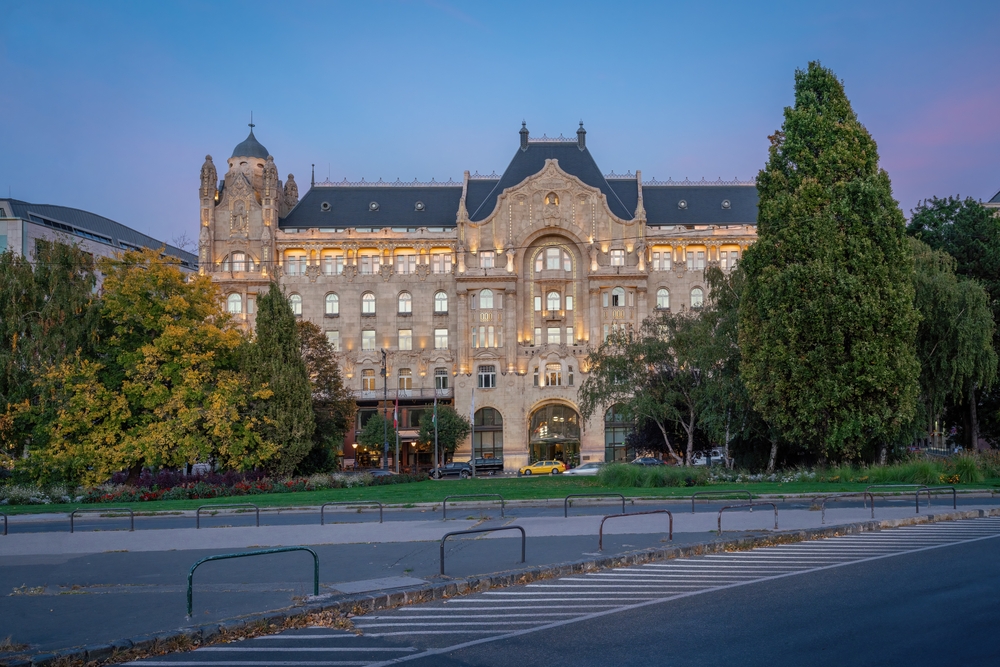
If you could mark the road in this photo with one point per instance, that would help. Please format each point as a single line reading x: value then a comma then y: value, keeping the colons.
x: 920, y: 595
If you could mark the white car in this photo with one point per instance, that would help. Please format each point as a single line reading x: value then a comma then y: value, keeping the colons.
x: 585, y: 469
x: 698, y: 458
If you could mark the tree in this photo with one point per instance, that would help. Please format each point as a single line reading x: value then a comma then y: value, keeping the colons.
x: 452, y: 428
x: 274, y: 359
x: 377, y: 431
x: 333, y: 403
x: 827, y: 323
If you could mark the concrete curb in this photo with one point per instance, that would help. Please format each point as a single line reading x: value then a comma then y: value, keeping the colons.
x: 347, y: 606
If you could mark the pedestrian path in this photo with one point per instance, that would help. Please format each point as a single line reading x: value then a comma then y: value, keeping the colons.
x: 422, y: 631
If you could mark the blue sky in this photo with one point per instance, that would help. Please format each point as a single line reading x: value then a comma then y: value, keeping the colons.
x: 112, y: 106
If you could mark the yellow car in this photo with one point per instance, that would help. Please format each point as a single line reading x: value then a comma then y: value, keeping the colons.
x: 543, y: 468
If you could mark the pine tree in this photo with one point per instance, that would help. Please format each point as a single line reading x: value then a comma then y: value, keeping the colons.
x: 275, y: 358
x: 827, y: 323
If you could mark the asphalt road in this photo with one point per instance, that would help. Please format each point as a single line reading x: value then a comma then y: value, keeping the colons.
x: 922, y: 595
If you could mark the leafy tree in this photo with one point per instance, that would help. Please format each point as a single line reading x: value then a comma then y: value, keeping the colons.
x: 827, y: 323
x: 452, y: 428
x: 333, y: 403
x: 376, y: 428
x: 274, y: 359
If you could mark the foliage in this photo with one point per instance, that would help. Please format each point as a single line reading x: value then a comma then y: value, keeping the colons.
x: 626, y: 475
x: 827, y: 323
x: 332, y: 402
x: 377, y: 431
x: 274, y: 359
x: 452, y: 428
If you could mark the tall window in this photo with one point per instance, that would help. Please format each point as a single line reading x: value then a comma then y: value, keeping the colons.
x: 618, y: 257
x: 569, y: 303
x: 406, y: 339
x: 251, y: 304
x: 553, y: 259
x: 485, y: 298
x: 697, y: 297
x: 696, y: 259
x: 368, y: 339
x: 440, y: 378
x: 552, y: 301
x: 487, y: 377
x: 405, y: 379
x: 234, y: 304
x: 332, y: 305
x: 553, y: 375
x: 406, y: 264
x: 662, y: 299
x: 441, y: 262
x: 333, y: 265
x: 569, y: 336
x: 537, y: 339
x: 296, y: 301
x: 661, y: 260
x: 616, y: 430
x: 405, y: 303
x: 486, y: 259
x: 368, y: 379
x: 239, y: 261
x: 370, y: 263
x: 487, y: 441
x: 367, y: 303
x: 553, y: 336
x: 618, y: 297
x: 440, y: 303
x: 333, y: 338
x: 570, y: 383
x: 440, y: 339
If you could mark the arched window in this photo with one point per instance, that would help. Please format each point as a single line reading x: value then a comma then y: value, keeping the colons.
x: 553, y: 259
x: 697, y: 297
x: 552, y: 301
x: 618, y: 297
x: 405, y: 303
x: 662, y: 299
x: 332, y: 305
x: 239, y: 261
x: 296, y: 301
x: 487, y: 442
x: 441, y: 302
x: 367, y: 303
x: 234, y: 304
x: 486, y: 298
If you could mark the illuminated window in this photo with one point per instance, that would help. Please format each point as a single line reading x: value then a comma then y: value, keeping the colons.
x: 368, y: 339
x: 333, y: 338
x: 662, y: 299
x: 234, y: 304
x: 296, y: 301
x: 617, y: 297
x: 553, y: 335
x: 367, y: 303
x: 368, y: 380
x: 537, y: 340
x: 440, y: 339
x: 332, y: 305
x: 486, y: 298
x: 569, y: 303
x: 617, y: 258
x: 552, y: 301
x: 569, y: 336
x: 440, y: 378
x: 486, y: 259
x: 661, y: 260
x: 440, y: 303
x: 370, y: 264
x: 406, y: 339
x: 405, y: 303
x: 553, y: 375
x: 239, y: 261
x: 405, y: 382
x: 406, y: 264
x: 697, y: 297
x: 333, y: 265
x: 553, y: 259
x: 441, y: 262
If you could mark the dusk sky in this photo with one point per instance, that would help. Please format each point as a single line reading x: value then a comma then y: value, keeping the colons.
x: 112, y: 106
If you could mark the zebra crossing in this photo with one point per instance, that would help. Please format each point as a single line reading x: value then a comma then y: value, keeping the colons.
x: 423, y: 631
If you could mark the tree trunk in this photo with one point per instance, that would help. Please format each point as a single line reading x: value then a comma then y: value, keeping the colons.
x: 774, y: 454
x: 883, y: 454
x: 973, y: 421
x: 666, y: 439
x: 133, y: 475
x: 690, y: 443
x: 725, y: 449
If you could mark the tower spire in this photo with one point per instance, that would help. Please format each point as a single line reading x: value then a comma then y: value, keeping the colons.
x: 251, y: 122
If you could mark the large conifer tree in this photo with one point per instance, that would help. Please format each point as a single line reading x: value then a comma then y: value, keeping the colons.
x: 827, y: 323
x: 275, y: 358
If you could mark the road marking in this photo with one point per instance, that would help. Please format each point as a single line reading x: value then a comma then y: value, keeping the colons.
x: 408, y: 617
x: 260, y: 663
x: 308, y: 649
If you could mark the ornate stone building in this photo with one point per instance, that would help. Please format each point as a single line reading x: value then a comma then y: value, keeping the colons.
x: 484, y: 292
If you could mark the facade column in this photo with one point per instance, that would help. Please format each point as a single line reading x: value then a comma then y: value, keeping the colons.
x: 595, y: 318
x: 510, y: 328
x: 642, y: 302
x: 462, y: 337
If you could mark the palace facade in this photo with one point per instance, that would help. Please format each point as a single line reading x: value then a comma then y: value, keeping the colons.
x: 485, y: 292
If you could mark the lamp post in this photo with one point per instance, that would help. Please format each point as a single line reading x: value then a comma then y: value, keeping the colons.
x: 385, y: 412
x: 355, y: 445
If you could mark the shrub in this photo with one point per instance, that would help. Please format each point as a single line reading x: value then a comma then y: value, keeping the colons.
x: 626, y: 475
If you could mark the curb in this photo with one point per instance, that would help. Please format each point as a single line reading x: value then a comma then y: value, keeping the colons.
x: 349, y: 606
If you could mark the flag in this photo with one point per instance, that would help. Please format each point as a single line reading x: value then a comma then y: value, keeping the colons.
x: 395, y: 414
x: 434, y: 417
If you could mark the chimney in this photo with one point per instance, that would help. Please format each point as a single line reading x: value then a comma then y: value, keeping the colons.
x: 581, y: 137
x: 524, y: 136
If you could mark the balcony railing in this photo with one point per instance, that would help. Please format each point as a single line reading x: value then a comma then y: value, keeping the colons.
x: 402, y: 394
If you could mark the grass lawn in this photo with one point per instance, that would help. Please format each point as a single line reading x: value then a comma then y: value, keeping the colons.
x: 525, y: 488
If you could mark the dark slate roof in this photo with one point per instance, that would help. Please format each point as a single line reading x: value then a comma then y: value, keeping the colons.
x: 95, y: 227
x: 350, y: 206
x: 704, y: 204
x: 571, y: 159
x: 250, y: 147
x: 996, y: 199
x: 478, y: 191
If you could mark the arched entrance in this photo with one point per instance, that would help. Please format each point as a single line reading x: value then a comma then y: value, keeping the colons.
x: 554, y: 434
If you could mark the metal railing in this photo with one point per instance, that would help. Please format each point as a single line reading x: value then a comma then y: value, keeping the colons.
x: 915, y: 488
x: 261, y: 552
x: 4, y: 523
x: 444, y: 504
x: 600, y: 532
x: 358, y: 503
x: 481, y: 530
x: 197, y: 514
x: 590, y: 495
x: 131, y: 516
x: 733, y: 492
x: 839, y: 496
x: 751, y: 505
x: 927, y: 490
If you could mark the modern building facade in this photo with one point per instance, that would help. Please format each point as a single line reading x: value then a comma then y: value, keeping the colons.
x: 486, y: 292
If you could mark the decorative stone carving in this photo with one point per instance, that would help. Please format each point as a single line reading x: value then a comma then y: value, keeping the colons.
x: 239, y: 219
x: 204, y: 247
x: 291, y: 192
x: 271, y: 179
x: 209, y: 177
x: 510, y: 252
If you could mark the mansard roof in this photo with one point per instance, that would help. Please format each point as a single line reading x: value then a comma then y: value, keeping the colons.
x: 704, y: 202
x: 94, y: 227
x: 996, y: 199
x: 398, y: 205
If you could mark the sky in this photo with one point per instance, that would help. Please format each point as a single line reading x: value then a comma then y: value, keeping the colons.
x: 112, y: 106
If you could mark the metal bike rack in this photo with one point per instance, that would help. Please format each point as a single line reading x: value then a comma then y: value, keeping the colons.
x: 927, y: 490
x: 4, y: 523
x: 590, y: 495
x: 721, y: 493
x: 131, y: 516
x: 197, y: 514
x: 444, y: 504
x: 600, y: 532
x: 481, y: 530
x: 733, y: 507
x: 916, y: 492
x: 824, y: 499
x: 359, y: 503
x: 261, y: 552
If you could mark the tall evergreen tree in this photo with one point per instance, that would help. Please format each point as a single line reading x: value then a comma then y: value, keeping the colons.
x: 827, y: 323
x: 333, y: 403
x: 275, y: 358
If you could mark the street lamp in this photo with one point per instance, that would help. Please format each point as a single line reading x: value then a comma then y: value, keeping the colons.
x: 385, y: 412
x: 355, y: 445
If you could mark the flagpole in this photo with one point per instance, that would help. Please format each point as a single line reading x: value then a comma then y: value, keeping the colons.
x: 395, y: 426
x: 435, y: 430
x: 472, y: 442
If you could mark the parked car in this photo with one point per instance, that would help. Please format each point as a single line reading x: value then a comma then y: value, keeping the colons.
x: 648, y: 461
x: 543, y: 467
x: 379, y: 472
x: 488, y: 466
x: 459, y: 469
x: 585, y: 469
x: 698, y: 458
